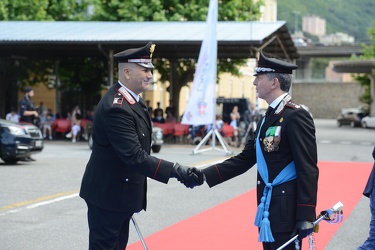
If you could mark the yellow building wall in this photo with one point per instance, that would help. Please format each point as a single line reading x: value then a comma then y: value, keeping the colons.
x: 42, y: 94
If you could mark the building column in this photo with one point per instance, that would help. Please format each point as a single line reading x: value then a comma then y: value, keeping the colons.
x: 304, y: 69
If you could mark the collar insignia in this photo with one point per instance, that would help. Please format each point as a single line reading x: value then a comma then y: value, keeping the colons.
x: 127, y: 95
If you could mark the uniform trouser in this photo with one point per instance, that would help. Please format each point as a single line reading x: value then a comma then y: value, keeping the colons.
x: 109, y: 230
x: 370, y: 242
x: 280, y: 239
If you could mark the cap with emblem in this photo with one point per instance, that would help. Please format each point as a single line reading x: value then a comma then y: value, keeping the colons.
x: 272, y: 65
x: 141, y: 56
x: 27, y: 89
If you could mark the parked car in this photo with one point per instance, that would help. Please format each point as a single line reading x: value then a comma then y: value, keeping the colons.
x: 351, y: 116
x: 18, y: 141
x: 368, y: 122
x: 37, y: 136
x: 157, y: 139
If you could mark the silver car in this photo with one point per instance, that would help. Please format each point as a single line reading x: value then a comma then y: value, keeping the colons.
x: 157, y: 139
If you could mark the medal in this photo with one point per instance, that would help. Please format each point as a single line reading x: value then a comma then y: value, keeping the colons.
x: 272, y: 140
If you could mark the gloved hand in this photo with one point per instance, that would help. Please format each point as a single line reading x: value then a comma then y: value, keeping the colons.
x: 303, y: 228
x: 189, y: 176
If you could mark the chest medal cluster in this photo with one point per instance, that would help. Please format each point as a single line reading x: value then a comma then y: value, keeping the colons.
x: 272, y: 140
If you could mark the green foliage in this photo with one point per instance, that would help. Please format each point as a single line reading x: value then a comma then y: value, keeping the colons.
x: 44, y: 10
x: 348, y: 16
x: 75, y: 77
x: 364, y: 80
x: 179, y: 72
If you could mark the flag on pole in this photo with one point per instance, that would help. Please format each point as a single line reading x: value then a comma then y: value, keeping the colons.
x: 201, y: 105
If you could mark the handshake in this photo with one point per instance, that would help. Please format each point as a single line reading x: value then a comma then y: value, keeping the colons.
x: 189, y: 176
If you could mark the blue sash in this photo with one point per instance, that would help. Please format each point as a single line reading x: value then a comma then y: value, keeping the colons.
x: 287, y: 174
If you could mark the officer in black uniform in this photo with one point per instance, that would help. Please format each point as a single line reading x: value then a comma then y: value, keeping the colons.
x: 28, y: 112
x: 285, y: 151
x: 115, y: 180
x: 27, y: 108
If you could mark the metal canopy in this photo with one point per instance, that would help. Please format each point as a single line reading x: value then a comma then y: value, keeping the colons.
x: 360, y: 67
x: 172, y: 39
x: 352, y: 66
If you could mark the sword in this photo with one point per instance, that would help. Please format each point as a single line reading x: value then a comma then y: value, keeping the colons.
x: 139, y: 233
x: 338, y: 216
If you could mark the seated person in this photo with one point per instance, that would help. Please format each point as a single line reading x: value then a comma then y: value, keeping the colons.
x: 170, y: 117
x: 159, y: 117
x: 76, y: 128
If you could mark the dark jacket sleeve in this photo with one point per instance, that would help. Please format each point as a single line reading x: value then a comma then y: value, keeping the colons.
x: 301, y: 135
x: 126, y: 135
x: 232, y: 167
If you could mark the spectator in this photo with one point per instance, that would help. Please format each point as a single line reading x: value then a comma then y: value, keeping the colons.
x: 235, y: 119
x: 219, y: 123
x: 75, y: 111
x: 158, y: 111
x: 159, y: 116
x: 76, y: 128
x: 171, y: 108
x: 170, y: 117
x: 12, y: 116
x: 41, y: 108
x: 251, y: 118
x: 89, y: 115
x: 47, y: 126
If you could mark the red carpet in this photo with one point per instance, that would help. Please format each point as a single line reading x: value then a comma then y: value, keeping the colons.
x: 338, y: 181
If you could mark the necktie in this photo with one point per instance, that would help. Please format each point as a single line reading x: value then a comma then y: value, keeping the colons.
x: 269, y: 110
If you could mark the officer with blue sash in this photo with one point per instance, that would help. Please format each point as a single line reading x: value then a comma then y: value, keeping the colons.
x: 284, y: 149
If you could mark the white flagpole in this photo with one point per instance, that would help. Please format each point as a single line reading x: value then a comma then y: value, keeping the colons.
x: 201, y: 108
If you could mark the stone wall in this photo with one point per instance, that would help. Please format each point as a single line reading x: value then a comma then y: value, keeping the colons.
x: 326, y: 99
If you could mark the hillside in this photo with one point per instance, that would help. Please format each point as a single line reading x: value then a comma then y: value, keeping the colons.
x: 354, y: 17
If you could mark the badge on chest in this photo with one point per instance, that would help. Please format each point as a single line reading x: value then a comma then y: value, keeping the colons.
x: 272, y: 139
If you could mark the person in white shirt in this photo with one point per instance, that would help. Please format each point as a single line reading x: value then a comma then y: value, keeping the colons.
x: 12, y: 116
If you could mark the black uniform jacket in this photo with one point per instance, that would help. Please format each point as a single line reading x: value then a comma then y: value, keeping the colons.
x: 26, y: 105
x: 116, y: 174
x: 293, y: 200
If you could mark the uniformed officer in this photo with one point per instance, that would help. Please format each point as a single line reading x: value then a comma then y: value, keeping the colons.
x: 285, y: 151
x: 115, y: 180
x: 27, y: 108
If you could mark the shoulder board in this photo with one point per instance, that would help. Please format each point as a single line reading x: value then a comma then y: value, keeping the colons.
x: 293, y: 105
x: 118, y: 99
x: 128, y: 97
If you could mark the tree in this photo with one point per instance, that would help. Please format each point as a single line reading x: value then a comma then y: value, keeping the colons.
x: 181, y: 71
x: 45, y: 10
x: 364, y: 80
x: 178, y: 72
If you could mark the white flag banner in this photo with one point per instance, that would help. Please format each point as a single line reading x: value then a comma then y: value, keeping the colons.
x: 201, y: 105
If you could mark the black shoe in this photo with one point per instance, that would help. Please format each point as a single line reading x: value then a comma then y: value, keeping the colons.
x: 28, y: 159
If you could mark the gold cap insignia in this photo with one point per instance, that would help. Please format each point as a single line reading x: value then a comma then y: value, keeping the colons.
x: 152, y: 48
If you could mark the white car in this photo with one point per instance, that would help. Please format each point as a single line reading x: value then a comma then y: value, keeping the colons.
x: 368, y: 122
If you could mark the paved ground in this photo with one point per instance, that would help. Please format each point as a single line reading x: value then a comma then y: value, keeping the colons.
x: 39, y: 207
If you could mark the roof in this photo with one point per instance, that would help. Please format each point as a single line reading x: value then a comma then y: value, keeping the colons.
x: 353, y: 66
x: 172, y: 39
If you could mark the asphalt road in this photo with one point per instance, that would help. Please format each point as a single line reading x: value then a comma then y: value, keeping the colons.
x: 40, y: 208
